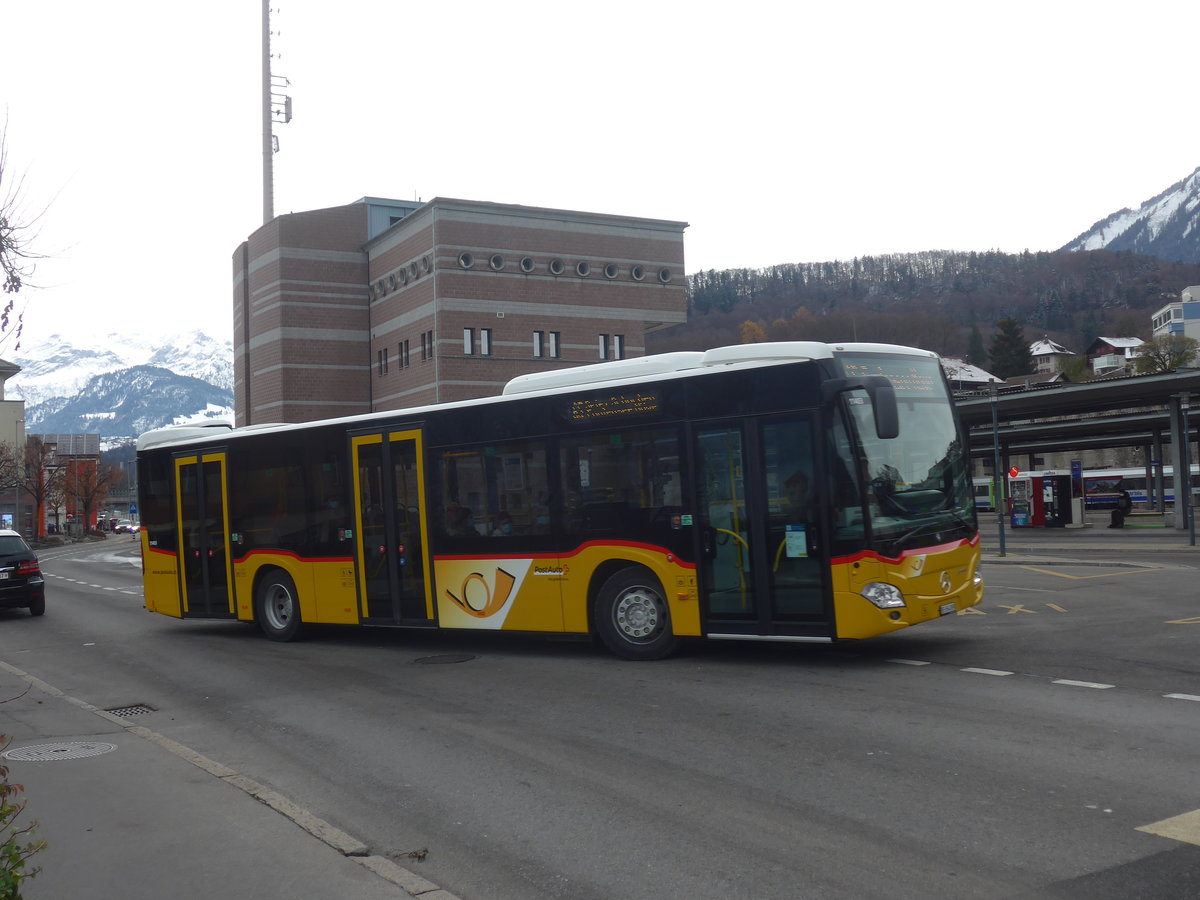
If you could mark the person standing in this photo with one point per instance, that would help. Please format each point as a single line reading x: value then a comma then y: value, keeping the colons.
x: 1124, y: 504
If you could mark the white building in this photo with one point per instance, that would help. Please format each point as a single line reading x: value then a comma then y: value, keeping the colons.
x: 1181, y: 317
x: 1048, y: 356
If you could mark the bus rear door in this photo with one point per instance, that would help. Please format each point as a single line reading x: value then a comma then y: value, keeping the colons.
x: 389, y: 491
x: 763, y: 555
x: 203, y: 526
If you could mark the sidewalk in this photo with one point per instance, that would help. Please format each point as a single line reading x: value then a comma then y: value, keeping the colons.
x: 130, y: 815
x: 1094, y: 541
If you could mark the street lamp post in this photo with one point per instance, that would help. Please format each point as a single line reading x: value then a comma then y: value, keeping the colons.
x: 1183, y: 483
x: 997, y: 478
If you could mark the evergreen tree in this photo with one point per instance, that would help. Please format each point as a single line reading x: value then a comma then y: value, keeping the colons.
x: 1009, y: 354
x: 976, y: 352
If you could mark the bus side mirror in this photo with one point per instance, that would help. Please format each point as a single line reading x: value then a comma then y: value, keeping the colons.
x: 883, y: 400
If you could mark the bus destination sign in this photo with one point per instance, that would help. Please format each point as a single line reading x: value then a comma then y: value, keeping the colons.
x: 908, y: 378
x: 614, y: 406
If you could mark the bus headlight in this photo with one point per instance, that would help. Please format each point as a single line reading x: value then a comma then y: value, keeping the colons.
x: 883, y: 595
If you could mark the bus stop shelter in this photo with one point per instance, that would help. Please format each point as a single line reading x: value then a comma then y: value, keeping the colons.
x: 1153, y: 412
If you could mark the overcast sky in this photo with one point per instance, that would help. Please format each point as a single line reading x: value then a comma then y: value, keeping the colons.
x: 805, y: 133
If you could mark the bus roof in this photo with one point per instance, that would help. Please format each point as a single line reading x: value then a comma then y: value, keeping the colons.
x: 653, y: 368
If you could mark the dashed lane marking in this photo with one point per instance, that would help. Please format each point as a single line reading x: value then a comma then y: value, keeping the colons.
x: 1068, y: 682
x: 1086, y: 684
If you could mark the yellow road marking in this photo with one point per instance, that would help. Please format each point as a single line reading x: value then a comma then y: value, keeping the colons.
x: 1019, y: 608
x: 1087, y: 577
x: 1195, y: 620
x: 1055, y: 607
x: 971, y: 611
x: 1184, y: 828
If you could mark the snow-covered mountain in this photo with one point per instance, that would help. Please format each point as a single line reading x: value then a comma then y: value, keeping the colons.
x: 122, y: 384
x: 1166, y: 226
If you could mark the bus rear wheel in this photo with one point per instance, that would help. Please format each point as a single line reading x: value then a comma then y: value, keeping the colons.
x: 277, y: 607
x: 632, y: 617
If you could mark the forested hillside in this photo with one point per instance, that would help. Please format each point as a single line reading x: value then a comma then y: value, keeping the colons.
x: 932, y: 299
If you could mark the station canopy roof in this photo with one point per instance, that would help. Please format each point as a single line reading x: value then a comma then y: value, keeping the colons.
x: 1123, y: 411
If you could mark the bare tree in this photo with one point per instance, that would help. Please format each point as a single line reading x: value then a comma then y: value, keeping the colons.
x: 17, y: 257
x: 87, y: 483
x: 12, y: 467
x: 43, y: 474
x: 1166, y: 353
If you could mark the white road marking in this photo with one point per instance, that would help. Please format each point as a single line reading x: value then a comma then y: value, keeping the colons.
x: 1086, y: 684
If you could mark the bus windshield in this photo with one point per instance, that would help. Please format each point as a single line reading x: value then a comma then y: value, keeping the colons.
x: 917, y: 486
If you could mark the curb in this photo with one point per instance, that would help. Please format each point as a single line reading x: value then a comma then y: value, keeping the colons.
x: 410, y: 882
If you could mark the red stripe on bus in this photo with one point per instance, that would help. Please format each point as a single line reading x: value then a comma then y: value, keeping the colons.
x: 920, y: 551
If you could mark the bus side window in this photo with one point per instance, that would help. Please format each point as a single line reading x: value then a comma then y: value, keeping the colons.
x: 621, y: 483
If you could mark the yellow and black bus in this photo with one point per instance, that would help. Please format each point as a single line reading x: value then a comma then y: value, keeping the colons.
x: 788, y: 491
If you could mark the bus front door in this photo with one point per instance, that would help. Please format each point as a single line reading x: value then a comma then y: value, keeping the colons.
x: 389, y: 490
x: 763, y: 560
x: 205, y: 565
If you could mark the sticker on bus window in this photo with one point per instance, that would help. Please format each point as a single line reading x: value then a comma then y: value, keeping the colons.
x: 796, y: 541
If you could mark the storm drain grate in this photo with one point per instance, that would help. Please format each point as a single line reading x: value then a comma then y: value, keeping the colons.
x: 138, y: 709
x: 444, y: 658
x: 65, y: 750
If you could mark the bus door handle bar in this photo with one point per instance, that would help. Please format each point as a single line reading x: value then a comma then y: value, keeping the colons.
x: 883, y: 400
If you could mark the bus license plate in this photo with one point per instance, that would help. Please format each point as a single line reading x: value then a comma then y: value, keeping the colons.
x: 946, y: 608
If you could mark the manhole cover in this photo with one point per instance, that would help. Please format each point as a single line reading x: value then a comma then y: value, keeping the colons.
x: 445, y: 658
x: 65, y: 750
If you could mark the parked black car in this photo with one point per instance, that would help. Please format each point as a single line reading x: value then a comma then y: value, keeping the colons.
x: 21, y: 582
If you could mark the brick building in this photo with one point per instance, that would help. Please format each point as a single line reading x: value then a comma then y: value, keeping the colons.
x: 385, y: 304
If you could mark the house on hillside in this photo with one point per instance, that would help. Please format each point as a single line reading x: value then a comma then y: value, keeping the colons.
x: 1048, y: 356
x: 965, y: 377
x: 1107, y: 355
x: 1024, y: 382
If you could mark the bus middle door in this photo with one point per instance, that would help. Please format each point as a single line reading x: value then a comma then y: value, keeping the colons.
x: 389, y: 509
x: 206, y: 570
x: 763, y: 555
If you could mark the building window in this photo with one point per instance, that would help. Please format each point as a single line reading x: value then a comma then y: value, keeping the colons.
x: 539, y: 344
x: 555, y: 345
x: 468, y: 341
x: 603, y: 346
x: 426, y: 345
x: 383, y: 362
x: 485, y: 342
x: 618, y: 346
x: 402, y: 355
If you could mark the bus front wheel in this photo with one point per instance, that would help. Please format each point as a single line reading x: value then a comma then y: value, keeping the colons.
x: 277, y: 607
x: 632, y: 617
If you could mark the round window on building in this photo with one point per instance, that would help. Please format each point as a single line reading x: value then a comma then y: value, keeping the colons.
x: 526, y: 264
x: 611, y: 271
x: 556, y: 267
x: 664, y: 275
x: 496, y: 261
x: 637, y: 273
x: 466, y: 260
x: 583, y: 268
